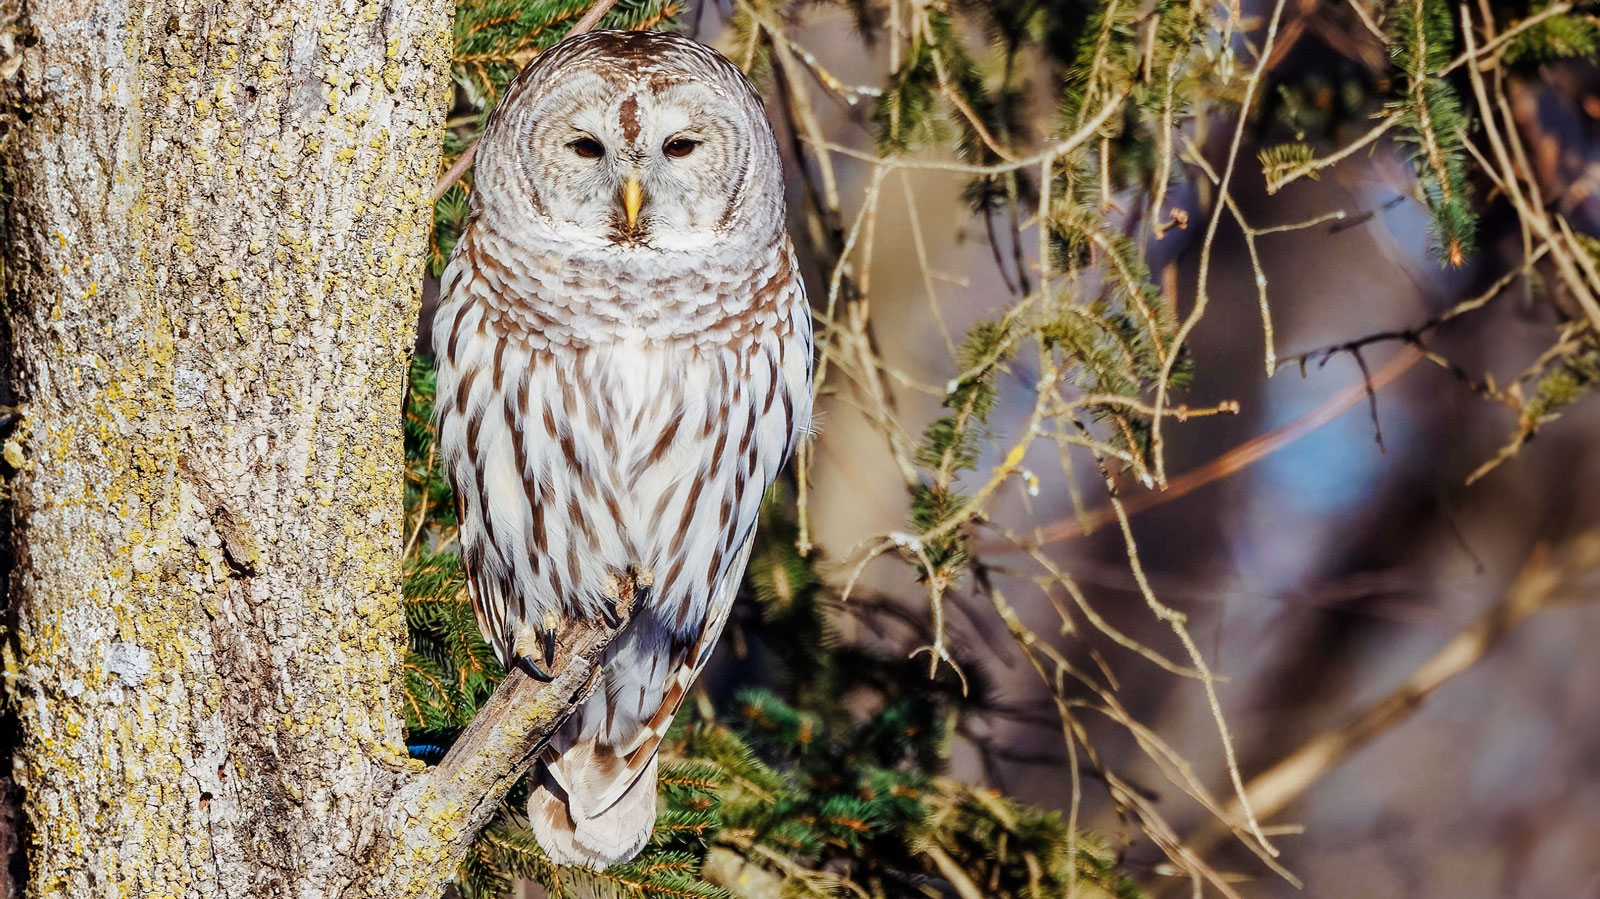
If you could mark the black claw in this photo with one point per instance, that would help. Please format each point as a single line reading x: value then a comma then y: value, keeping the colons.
x: 533, y: 670
x: 549, y: 647
x: 608, y: 611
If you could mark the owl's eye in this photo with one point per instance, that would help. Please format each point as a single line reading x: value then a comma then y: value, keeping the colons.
x: 680, y: 147
x: 587, y: 147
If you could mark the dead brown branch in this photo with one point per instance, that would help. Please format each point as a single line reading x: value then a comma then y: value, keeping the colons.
x: 1230, y: 463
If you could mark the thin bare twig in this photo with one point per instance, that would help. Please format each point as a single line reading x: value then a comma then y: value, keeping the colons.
x: 1481, y: 53
x: 1054, y: 151
x: 1277, y: 182
x: 1202, y: 294
x: 1366, y: 22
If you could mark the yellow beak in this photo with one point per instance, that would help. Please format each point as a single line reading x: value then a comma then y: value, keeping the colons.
x: 632, y: 199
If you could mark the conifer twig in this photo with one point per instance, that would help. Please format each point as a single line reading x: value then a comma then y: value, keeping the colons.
x: 1279, y: 180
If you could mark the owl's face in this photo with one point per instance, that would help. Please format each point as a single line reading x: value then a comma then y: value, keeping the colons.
x: 633, y: 140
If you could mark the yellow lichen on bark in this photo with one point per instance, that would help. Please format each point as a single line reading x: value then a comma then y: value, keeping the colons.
x: 214, y: 261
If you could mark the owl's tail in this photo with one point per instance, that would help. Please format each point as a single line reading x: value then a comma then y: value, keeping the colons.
x: 569, y: 813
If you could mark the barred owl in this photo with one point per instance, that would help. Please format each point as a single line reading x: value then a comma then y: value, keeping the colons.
x: 624, y: 352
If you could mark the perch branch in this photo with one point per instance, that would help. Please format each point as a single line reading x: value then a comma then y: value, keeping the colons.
x: 435, y: 816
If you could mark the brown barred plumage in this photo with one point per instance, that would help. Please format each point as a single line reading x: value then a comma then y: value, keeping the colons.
x: 620, y: 380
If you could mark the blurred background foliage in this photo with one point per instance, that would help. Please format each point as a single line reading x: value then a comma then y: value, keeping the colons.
x: 1055, y: 248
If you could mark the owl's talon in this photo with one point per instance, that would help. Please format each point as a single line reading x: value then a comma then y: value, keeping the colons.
x: 549, y: 647
x: 608, y: 611
x: 533, y: 670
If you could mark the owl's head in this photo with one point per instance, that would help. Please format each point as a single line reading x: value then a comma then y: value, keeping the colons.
x: 631, y: 139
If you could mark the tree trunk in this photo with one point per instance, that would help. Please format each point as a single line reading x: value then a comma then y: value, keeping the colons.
x: 213, y: 244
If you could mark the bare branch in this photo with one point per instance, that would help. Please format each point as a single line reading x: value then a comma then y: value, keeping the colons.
x: 1202, y: 287
x: 1228, y: 464
x: 1494, y: 46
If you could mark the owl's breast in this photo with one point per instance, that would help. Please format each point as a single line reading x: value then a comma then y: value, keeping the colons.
x: 566, y: 299
x: 583, y: 442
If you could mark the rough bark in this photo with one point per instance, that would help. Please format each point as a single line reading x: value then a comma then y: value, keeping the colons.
x: 213, y: 242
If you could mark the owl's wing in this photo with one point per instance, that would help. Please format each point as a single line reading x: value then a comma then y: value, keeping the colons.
x: 490, y: 614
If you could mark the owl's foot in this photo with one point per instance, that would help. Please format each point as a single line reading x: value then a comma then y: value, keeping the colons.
x: 608, y: 611
x: 532, y: 669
